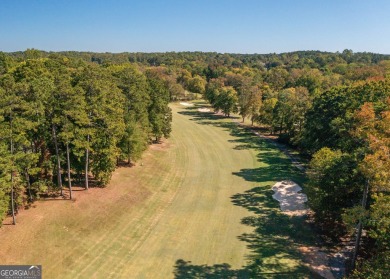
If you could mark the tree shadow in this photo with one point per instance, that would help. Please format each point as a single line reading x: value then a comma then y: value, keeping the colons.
x: 199, y: 116
x: 187, y: 270
x: 125, y: 164
x: 7, y: 224
x: 271, y: 224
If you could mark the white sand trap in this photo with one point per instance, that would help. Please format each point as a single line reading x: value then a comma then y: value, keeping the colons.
x: 186, y: 104
x: 203, y: 109
x: 291, y: 202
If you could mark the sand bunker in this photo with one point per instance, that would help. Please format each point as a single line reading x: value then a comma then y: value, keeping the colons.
x: 291, y: 202
x: 186, y: 104
x: 203, y: 109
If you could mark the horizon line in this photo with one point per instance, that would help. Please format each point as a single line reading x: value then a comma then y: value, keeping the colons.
x: 193, y: 51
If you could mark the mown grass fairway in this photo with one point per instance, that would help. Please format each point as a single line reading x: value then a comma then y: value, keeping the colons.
x: 200, y: 206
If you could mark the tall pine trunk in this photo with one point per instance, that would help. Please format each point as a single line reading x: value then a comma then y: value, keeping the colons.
x: 27, y: 176
x: 281, y: 126
x: 12, y: 198
x: 359, y: 227
x: 59, y: 179
x: 128, y: 154
x: 86, y: 164
x: 68, y: 161
x: 12, y: 176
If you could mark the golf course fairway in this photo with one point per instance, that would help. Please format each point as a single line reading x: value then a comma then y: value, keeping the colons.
x: 198, y: 205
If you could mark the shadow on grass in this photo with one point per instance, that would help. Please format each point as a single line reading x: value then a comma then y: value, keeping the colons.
x: 276, y: 236
x: 187, y: 270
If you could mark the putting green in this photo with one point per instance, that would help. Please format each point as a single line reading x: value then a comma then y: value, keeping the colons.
x: 199, y: 206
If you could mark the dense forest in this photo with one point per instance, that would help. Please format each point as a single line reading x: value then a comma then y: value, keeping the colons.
x: 72, y: 116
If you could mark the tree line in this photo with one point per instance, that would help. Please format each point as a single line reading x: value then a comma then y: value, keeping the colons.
x: 64, y: 121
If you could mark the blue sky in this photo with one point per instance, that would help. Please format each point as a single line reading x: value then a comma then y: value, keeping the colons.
x: 240, y: 26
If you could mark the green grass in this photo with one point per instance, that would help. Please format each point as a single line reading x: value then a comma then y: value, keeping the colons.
x: 200, y: 209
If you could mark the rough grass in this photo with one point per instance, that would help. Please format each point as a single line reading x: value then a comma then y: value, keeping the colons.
x: 200, y: 207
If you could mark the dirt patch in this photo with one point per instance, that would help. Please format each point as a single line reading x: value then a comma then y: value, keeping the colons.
x: 203, y: 110
x: 161, y: 146
x: 317, y: 261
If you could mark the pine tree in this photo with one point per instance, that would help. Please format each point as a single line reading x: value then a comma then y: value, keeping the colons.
x: 72, y: 120
x: 104, y: 107
x: 136, y: 90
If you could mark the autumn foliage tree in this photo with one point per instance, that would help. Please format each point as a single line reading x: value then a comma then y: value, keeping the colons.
x: 373, y: 126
